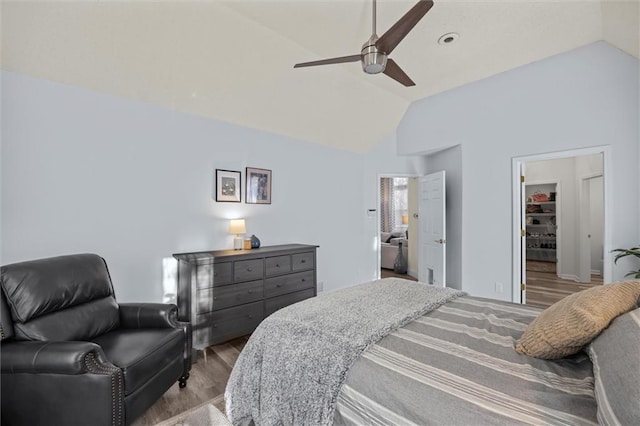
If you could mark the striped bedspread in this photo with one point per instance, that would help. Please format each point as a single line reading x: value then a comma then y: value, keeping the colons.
x: 457, y: 365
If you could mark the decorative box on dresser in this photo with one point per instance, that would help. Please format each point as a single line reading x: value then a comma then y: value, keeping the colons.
x: 226, y: 293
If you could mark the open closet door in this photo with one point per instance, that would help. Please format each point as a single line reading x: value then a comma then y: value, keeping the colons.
x: 433, y: 244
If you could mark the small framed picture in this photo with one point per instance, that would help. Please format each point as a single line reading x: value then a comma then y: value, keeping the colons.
x: 258, y: 186
x: 228, y: 186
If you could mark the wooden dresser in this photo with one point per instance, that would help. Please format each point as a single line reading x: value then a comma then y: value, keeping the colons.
x: 226, y: 293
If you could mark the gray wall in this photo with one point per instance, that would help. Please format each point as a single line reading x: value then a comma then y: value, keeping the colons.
x: 582, y: 98
x: 87, y: 172
x: 82, y: 171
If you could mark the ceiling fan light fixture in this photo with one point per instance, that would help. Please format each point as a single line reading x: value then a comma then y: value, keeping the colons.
x: 374, y: 62
x: 373, y: 68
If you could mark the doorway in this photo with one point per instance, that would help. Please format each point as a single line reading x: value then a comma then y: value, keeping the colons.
x: 397, y: 227
x: 560, y: 228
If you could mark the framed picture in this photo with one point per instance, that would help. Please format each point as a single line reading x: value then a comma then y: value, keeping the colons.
x: 258, y: 186
x: 228, y: 186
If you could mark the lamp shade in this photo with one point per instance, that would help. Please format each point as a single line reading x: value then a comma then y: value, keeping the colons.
x: 237, y: 226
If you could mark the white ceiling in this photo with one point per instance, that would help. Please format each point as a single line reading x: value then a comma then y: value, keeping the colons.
x: 233, y: 60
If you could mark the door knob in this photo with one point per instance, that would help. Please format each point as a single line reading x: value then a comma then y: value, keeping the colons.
x: 440, y: 241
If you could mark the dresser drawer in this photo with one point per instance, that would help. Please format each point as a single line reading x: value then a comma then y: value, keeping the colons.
x: 302, y: 261
x: 288, y: 283
x: 213, y: 274
x: 276, y: 303
x: 277, y: 265
x: 213, y: 299
x: 246, y: 270
x: 226, y: 324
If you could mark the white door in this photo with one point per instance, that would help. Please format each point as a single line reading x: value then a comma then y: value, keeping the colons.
x: 523, y: 238
x: 432, y: 245
x: 596, y: 224
x: 591, y: 233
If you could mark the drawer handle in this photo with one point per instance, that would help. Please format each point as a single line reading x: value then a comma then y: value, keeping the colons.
x: 303, y: 261
x: 215, y: 298
x: 215, y: 274
x: 303, y: 280
x: 278, y: 285
x: 249, y: 269
x: 215, y: 326
x: 277, y: 265
x: 250, y: 316
x: 250, y: 291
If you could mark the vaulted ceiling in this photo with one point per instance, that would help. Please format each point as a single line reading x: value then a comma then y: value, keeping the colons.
x: 233, y: 60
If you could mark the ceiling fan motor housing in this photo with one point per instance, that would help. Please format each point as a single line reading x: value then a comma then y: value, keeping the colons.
x: 373, y: 61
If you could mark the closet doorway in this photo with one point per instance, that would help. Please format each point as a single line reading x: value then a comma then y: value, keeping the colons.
x: 560, y: 226
x: 398, y: 226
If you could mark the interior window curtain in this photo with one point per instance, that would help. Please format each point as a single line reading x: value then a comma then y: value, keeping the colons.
x: 386, y: 205
x: 400, y: 203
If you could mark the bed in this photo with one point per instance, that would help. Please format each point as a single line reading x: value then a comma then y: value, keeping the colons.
x: 397, y: 352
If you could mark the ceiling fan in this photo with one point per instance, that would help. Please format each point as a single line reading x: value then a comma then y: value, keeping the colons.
x: 375, y: 51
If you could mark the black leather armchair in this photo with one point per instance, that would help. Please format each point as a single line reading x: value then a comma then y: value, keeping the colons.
x: 71, y: 355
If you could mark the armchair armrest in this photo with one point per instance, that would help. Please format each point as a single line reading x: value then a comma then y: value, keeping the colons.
x: 148, y: 315
x: 34, y: 373
x: 49, y: 357
x: 157, y: 315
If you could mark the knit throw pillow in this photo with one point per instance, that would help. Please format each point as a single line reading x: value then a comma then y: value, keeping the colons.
x: 567, y: 326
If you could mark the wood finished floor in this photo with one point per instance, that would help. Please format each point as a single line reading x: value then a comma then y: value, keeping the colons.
x: 545, y: 288
x: 388, y: 273
x: 207, y: 381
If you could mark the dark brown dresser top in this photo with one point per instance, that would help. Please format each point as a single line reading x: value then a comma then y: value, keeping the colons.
x: 201, y: 256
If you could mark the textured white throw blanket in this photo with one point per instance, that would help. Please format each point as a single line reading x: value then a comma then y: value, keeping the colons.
x: 293, y: 366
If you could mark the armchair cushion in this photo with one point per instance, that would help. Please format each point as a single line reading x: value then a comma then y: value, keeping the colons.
x: 141, y: 353
x: 76, y: 323
x: 6, y: 323
x: 45, y: 296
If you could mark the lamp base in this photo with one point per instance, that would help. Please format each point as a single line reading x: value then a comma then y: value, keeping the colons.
x: 237, y: 243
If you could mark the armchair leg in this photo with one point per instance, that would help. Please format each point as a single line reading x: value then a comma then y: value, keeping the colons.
x: 182, y: 381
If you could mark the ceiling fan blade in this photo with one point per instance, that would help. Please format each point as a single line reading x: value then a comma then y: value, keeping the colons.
x: 394, y: 35
x: 340, y: 60
x: 395, y: 72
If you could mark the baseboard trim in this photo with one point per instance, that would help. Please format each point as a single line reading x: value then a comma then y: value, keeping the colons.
x: 569, y: 277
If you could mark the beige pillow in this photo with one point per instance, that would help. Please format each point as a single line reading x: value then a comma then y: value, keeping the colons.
x: 568, y: 325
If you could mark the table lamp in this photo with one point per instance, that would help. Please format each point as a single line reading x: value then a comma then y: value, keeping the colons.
x: 237, y: 226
